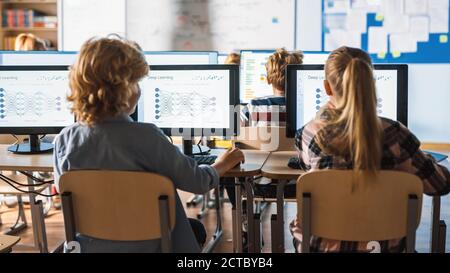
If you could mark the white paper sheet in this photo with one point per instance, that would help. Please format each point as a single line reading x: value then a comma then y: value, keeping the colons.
x: 392, y: 7
x: 403, y: 43
x: 396, y: 23
x: 337, y: 38
x: 337, y: 6
x: 378, y: 40
x: 439, y: 15
x: 356, y: 21
x: 420, y: 28
x: 416, y: 7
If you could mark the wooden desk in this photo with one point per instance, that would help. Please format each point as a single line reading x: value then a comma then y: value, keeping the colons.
x: 254, y: 161
x: 276, y: 167
x: 7, y: 242
x: 30, y: 163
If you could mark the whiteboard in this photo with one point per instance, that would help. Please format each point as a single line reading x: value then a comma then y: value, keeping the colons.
x: 223, y: 25
x: 83, y: 19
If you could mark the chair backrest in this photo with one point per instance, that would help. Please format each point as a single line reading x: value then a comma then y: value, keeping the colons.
x: 118, y: 205
x: 269, y: 139
x: 375, y: 209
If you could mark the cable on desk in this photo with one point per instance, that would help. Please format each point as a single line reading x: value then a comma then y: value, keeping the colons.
x: 3, y: 177
x: 37, y: 179
x: 26, y: 192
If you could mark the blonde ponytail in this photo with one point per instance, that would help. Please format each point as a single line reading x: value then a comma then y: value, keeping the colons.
x: 350, y: 73
x: 359, y: 116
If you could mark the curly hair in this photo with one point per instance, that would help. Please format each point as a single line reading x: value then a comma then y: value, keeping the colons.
x: 104, y: 78
x: 233, y: 58
x: 276, y: 66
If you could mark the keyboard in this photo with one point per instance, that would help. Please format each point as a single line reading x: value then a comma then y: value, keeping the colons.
x: 437, y: 156
x: 205, y: 159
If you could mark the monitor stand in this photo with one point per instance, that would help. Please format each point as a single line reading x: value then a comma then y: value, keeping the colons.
x: 34, y: 146
x: 189, y: 149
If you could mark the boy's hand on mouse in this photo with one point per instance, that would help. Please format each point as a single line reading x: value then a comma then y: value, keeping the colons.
x: 228, y: 160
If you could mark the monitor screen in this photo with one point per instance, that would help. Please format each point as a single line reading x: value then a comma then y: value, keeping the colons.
x: 179, y: 99
x: 306, y: 93
x: 33, y: 100
x: 254, y: 74
x: 181, y: 57
x: 222, y: 58
x: 38, y: 58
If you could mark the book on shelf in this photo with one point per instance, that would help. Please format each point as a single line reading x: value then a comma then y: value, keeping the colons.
x: 28, y: 18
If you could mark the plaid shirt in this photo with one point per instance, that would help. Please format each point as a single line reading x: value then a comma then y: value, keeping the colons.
x: 401, y: 152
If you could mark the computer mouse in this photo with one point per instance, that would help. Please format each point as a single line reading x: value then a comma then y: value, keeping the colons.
x: 294, y: 163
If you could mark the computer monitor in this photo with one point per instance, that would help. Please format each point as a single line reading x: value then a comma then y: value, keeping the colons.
x: 33, y: 102
x: 254, y: 74
x: 306, y: 95
x: 181, y: 57
x: 222, y: 57
x: 38, y: 57
x: 191, y: 100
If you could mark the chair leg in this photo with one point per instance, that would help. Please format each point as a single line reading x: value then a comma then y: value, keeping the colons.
x: 21, y: 222
x: 166, y: 246
x: 442, y: 236
x: 306, y: 223
x: 413, y: 203
x: 274, y: 233
x: 257, y: 230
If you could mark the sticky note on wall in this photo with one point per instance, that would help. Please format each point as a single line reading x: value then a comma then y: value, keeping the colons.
x: 379, y: 17
x: 396, y: 54
x: 381, y: 55
x: 443, y: 39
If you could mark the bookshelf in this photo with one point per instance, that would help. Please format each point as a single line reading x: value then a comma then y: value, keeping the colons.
x: 29, y: 16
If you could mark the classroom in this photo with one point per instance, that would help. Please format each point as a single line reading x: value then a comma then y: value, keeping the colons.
x: 224, y: 126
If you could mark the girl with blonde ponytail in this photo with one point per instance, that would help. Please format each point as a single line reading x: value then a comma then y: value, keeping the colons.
x: 348, y: 134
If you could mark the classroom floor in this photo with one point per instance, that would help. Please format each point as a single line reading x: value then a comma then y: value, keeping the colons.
x: 55, y: 227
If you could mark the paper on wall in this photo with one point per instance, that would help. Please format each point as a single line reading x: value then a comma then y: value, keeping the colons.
x: 378, y: 40
x: 356, y: 21
x: 439, y: 15
x: 336, y: 6
x: 392, y: 7
x: 369, y: 6
x: 420, y: 28
x: 416, y: 7
x: 335, y: 21
x: 404, y: 43
x: 396, y: 23
x: 339, y: 37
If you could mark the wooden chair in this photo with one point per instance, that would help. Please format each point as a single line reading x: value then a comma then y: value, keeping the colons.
x: 7, y: 243
x: 269, y: 139
x: 384, y: 208
x: 146, y: 210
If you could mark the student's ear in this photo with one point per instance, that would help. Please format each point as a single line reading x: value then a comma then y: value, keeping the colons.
x: 328, y: 89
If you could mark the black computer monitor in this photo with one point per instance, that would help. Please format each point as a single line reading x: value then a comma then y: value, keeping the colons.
x: 33, y: 102
x: 306, y: 95
x: 191, y: 100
